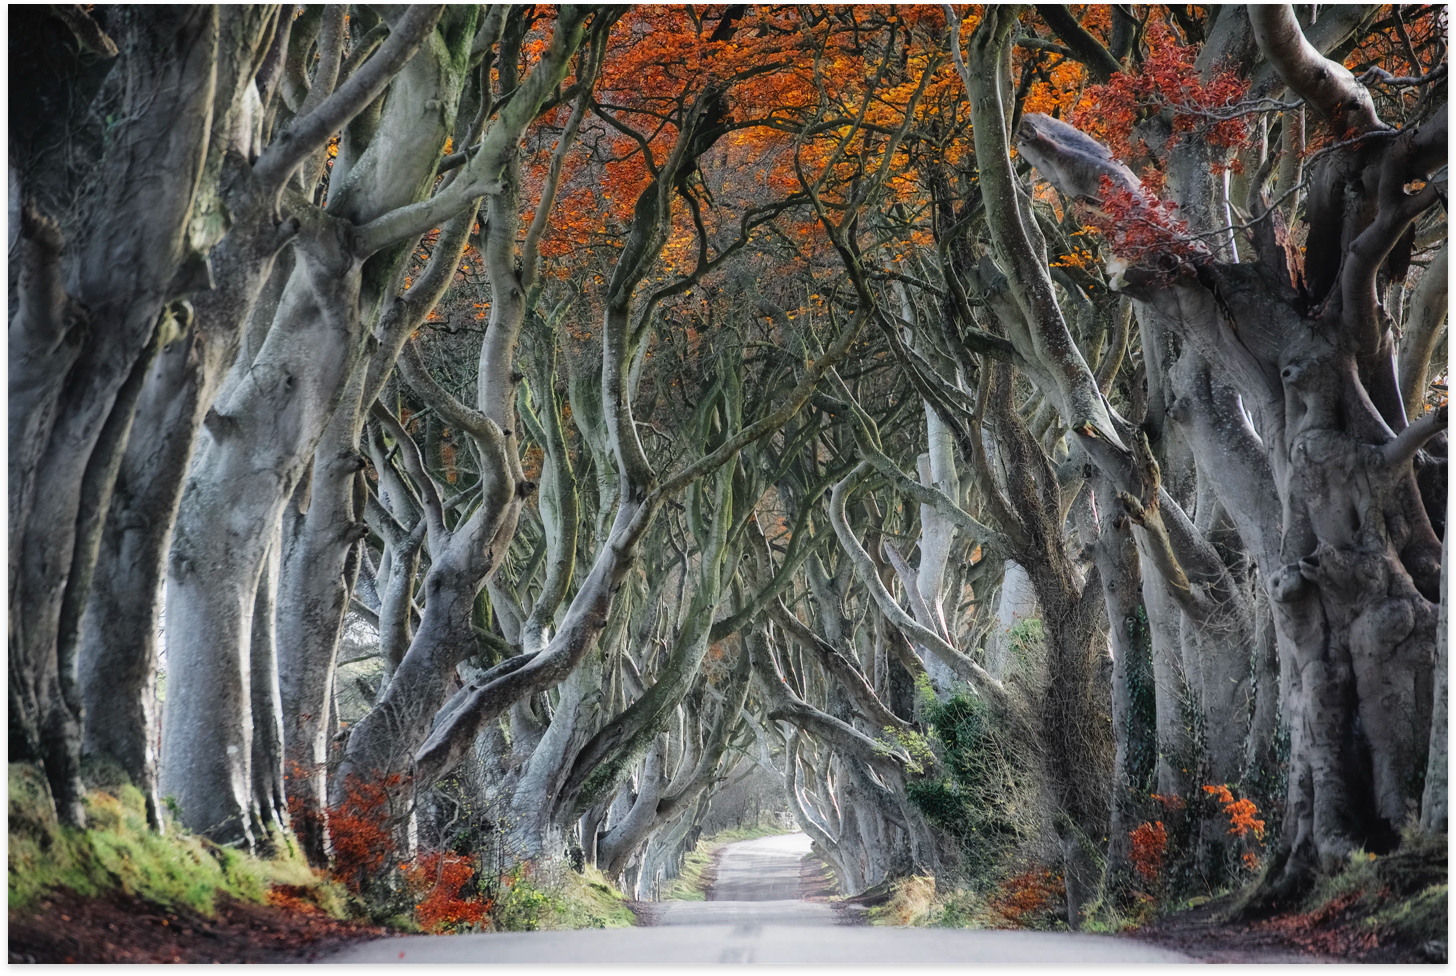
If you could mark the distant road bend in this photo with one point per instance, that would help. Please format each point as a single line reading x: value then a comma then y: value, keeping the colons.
x: 756, y: 914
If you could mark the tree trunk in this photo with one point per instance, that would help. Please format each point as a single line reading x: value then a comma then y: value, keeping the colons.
x: 1016, y: 603
x: 124, y: 260
x: 245, y: 473
x: 1434, y: 798
x: 321, y: 535
x: 1117, y: 567
x: 270, y: 417
x: 269, y: 803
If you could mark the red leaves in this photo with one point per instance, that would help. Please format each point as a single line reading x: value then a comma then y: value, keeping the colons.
x: 1240, y: 813
x: 1137, y: 226
x: 1149, y: 846
x: 359, y: 830
x: 1334, y: 929
x: 1029, y: 893
x: 440, y: 882
x: 1168, y: 80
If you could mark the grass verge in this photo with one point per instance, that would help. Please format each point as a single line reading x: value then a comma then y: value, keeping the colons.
x: 117, y: 852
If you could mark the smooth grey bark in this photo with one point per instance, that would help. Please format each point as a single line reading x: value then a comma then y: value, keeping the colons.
x: 621, y: 740
x: 1176, y: 752
x: 269, y: 803
x: 464, y: 558
x: 179, y: 393
x: 118, y: 653
x: 119, y: 634
x: 323, y: 536
x: 461, y: 559
x: 691, y: 783
x: 823, y: 837
x: 1357, y: 564
x: 1016, y: 603
x: 1122, y: 591
x: 638, y: 500
x: 625, y: 835
x: 313, y: 599
x: 246, y: 470
x: 394, y: 513
x: 1316, y: 448
x: 1423, y: 328
x: 534, y: 800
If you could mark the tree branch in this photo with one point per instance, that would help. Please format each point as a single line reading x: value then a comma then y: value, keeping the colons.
x: 1084, y: 47
x: 429, y: 491
x: 868, y: 575
x: 313, y: 131
x: 1326, y: 85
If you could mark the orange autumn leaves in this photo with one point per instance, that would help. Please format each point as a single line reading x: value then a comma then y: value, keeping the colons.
x: 1148, y: 847
x: 1023, y: 896
x: 441, y: 884
x: 792, y: 81
x: 1240, y: 812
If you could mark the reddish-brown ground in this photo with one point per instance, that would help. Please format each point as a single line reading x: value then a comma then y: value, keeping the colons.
x: 1333, y: 934
x: 65, y: 927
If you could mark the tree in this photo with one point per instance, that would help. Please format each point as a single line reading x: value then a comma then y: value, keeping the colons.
x: 1007, y: 429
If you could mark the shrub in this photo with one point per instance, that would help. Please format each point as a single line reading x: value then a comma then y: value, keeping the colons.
x: 981, y: 799
x: 1149, y: 845
x: 1029, y: 899
x: 447, y: 898
x: 911, y: 902
x: 521, y: 904
x: 359, y: 829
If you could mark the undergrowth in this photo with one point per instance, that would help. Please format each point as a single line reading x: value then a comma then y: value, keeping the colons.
x: 585, y: 901
x: 436, y: 891
x: 1396, y: 900
x: 1034, y: 898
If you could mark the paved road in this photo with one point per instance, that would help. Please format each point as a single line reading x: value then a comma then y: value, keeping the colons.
x: 753, y: 915
x: 757, y: 884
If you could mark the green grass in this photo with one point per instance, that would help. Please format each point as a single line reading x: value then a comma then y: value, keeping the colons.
x: 586, y: 901
x: 690, y: 885
x: 117, y: 851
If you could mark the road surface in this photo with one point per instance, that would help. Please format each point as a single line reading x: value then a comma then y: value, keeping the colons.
x: 758, y: 883
x: 755, y: 914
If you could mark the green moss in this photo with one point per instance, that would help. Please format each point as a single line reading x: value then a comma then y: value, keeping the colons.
x: 117, y: 851
x: 1420, y: 919
x: 43, y: 854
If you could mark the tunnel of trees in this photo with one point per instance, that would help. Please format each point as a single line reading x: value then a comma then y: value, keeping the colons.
x: 1020, y: 431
